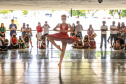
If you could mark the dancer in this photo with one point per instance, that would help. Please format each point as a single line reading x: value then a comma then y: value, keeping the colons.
x: 62, y: 36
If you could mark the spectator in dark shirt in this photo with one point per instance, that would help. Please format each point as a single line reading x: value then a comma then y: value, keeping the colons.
x: 12, y: 27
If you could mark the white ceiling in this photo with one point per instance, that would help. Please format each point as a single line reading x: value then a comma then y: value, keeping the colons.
x: 61, y: 4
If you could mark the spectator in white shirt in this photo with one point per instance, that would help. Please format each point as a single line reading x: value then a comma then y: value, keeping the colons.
x: 79, y: 28
x: 46, y: 31
x: 113, y: 32
x: 104, y: 28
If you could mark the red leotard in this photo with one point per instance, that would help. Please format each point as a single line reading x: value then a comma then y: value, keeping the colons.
x: 63, y: 36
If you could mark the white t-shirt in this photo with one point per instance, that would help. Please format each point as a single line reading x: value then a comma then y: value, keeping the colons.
x: 103, y: 27
x: 79, y: 27
x: 46, y: 29
x: 113, y: 32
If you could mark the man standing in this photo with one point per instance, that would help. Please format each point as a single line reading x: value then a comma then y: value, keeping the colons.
x: 79, y: 28
x: 12, y: 27
x: 104, y: 28
x: 39, y: 33
x: 46, y: 31
x: 113, y: 32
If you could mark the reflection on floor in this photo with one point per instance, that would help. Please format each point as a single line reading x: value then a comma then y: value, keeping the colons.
x: 34, y: 66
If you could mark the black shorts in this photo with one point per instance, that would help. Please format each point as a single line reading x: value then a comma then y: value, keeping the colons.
x: 2, y: 35
x: 113, y: 36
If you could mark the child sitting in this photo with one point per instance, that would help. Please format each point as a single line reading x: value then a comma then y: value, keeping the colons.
x: 1, y: 43
x: 78, y: 35
x: 92, y: 44
x: 86, y: 42
x: 5, y: 45
x: 43, y: 44
x: 21, y: 43
x: 14, y: 41
x: 26, y: 39
x: 116, y: 45
x: 79, y: 43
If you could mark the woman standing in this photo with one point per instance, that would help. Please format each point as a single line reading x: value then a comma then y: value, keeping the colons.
x: 73, y: 30
x: 118, y: 27
x: 23, y: 30
x: 90, y: 32
x: 29, y: 32
x: 39, y: 33
x: 2, y: 31
x: 62, y: 36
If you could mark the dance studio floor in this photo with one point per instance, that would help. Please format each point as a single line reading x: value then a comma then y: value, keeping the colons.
x: 34, y: 66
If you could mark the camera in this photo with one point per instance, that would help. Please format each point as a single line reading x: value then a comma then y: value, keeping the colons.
x: 100, y: 1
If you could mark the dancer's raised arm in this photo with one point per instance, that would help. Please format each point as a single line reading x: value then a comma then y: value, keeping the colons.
x: 57, y: 28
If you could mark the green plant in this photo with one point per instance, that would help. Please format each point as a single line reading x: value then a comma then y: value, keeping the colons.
x: 6, y: 11
x: 25, y: 12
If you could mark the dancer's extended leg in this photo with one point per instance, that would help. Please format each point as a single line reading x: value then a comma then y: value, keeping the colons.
x: 64, y: 44
x: 53, y: 42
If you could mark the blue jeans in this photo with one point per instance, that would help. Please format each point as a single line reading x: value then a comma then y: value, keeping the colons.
x: 103, y: 36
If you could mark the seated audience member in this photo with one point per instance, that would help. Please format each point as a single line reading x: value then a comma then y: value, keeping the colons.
x: 5, y: 45
x: 86, y: 42
x: 74, y: 45
x: 79, y: 43
x: 21, y: 43
x: 116, y: 45
x: 2, y: 31
x: 92, y: 44
x: 1, y: 43
x: 121, y: 41
x: 43, y: 43
x: 14, y: 41
x: 78, y: 35
x: 26, y: 39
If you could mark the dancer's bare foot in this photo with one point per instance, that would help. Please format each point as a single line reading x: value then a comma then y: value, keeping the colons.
x: 58, y: 46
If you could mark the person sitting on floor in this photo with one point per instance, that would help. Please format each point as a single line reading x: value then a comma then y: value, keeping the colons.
x: 92, y: 44
x: 86, y: 42
x: 79, y: 43
x: 5, y: 45
x: 78, y: 35
x: 116, y: 45
x: 43, y: 44
x: 1, y: 43
x: 26, y: 39
x: 121, y: 41
x: 14, y: 41
x: 21, y: 43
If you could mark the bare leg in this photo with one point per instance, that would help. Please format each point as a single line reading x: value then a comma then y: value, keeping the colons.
x: 31, y: 43
x: 19, y: 46
x: 53, y: 42
x: 64, y: 44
